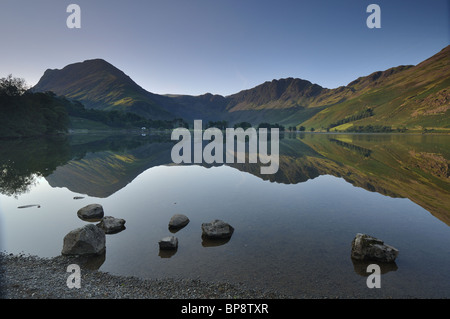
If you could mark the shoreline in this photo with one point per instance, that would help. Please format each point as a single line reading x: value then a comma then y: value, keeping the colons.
x: 167, y: 132
x: 32, y: 277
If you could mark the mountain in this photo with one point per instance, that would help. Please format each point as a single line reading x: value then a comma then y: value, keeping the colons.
x: 416, y: 97
x: 404, y: 96
x: 206, y: 107
x: 286, y: 93
x: 100, y: 85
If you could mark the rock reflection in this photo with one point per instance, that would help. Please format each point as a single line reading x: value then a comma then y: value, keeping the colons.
x: 208, y: 242
x: 360, y: 267
x: 91, y: 261
x: 167, y: 253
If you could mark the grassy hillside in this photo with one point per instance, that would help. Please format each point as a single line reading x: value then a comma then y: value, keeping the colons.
x: 99, y: 85
x: 415, y: 97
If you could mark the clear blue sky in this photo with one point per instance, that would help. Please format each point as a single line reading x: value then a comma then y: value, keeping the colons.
x: 221, y: 46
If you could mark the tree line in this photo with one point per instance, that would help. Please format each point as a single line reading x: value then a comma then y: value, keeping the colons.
x: 222, y: 125
x: 118, y: 119
x: 29, y: 114
x: 24, y: 113
x: 360, y: 115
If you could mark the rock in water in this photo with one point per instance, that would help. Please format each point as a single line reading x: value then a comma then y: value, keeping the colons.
x: 86, y: 240
x: 92, y: 212
x: 170, y: 242
x: 178, y: 221
x: 217, y: 229
x: 28, y: 206
x: 365, y: 247
x: 111, y: 225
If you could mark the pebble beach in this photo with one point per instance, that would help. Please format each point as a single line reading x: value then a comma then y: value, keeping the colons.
x: 31, y: 277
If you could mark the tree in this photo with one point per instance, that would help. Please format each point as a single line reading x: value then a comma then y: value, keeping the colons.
x: 12, y: 86
x: 31, y: 114
x: 269, y: 126
x: 243, y: 125
x: 302, y: 128
x: 221, y: 125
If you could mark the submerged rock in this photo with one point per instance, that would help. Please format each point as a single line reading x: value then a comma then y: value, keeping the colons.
x: 92, y: 212
x: 168, y: 243
x: 111, y: 225
x: 365, y: 247
x: 217, y: 229
x: 28, y: 206
x: 178, y: 221
x: 85, y: 240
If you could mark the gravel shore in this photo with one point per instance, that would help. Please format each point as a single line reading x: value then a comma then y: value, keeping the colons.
x: 31, y: 277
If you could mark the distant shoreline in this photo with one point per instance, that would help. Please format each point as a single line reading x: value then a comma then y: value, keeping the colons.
x: 150, y: 132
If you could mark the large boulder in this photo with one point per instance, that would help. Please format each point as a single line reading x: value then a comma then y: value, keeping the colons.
x: 217, y: 229
x: 111, y: 225
x: 92, y: 212
x: 86, y: 240
x: 168, y: 243
x: 365, y: 247
x: 178, y: 221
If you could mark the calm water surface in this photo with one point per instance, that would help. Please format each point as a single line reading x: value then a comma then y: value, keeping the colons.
x: 293, y: 230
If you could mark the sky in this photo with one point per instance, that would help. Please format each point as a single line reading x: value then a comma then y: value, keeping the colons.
x: 221, y: 46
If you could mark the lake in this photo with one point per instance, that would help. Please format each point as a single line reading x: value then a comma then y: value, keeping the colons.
x: 293, y: 229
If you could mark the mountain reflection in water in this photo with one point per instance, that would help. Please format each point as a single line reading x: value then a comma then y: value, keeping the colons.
x: 396, y: 165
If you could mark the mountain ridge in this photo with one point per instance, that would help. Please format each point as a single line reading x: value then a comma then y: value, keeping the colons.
x: 411, y: 96
x: 294, y: 101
